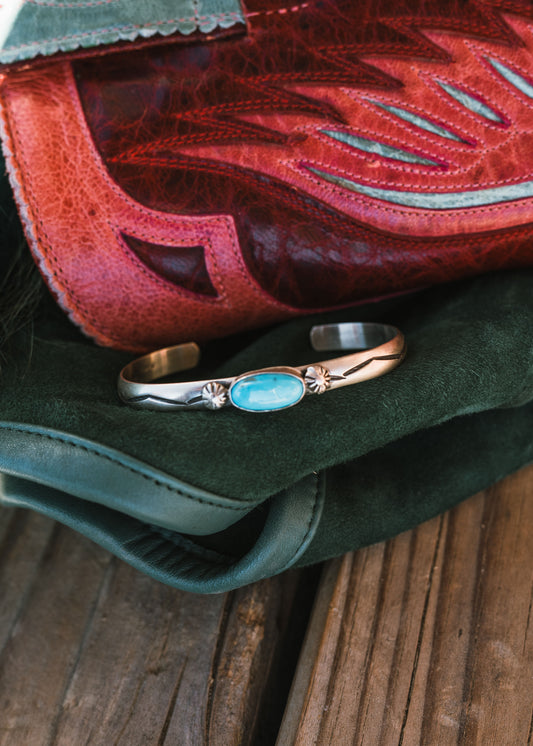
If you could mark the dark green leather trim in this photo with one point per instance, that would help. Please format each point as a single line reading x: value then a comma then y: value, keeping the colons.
x: 103, y: 475
x: 291, y: 522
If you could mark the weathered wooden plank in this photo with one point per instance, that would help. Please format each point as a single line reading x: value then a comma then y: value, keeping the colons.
x: 101, y: 654
x: 18, y: 567
x: 42, y: 645
x: 425, y: 639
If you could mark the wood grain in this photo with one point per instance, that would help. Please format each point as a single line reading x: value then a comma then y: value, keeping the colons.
x: 425, y: 639
x: 93, y: 652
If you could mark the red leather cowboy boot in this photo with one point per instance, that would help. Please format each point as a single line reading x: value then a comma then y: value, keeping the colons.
x: 337, y: 151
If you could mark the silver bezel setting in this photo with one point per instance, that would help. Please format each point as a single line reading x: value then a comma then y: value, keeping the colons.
x: 294, y: 372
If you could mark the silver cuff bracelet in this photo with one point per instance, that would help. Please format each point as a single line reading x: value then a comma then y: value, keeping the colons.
x: 380, y: 348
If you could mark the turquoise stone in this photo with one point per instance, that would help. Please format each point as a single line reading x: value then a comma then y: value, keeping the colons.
x: 264, y: 392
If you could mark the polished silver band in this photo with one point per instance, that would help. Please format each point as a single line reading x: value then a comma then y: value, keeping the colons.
x: 380, y: 348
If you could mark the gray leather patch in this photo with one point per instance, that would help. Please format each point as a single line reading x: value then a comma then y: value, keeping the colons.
x: 42, y: 27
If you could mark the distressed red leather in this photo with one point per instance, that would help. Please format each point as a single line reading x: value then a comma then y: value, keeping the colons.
x: 336, y: 152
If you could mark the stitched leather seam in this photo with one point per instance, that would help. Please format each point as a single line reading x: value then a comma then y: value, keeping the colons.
x: 334, y: 171
x: 213, y: 167
x: 206, y: 112
x: 470, y: 145
x: 97, y: 161
x: 193, y: 549
x: 54, y: 5
x: 362, y: 200
x: 211, y: 254
x: 522, y: 98
x: 214, y: 557
x: 280, y: 11
x: 296, y: 200
x: 136, y: 472
x: 477, y: 118
x: 253, y: 286
x: 437, y: 140
x: 234, y: 130
x: 495, y: 20
x: 125, y: 28
x: 41, y: 237
x: 227, y: 221
x: 386, y: 161
x: 62, y: 284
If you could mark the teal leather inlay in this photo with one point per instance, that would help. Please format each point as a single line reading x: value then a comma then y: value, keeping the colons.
x: 418, y: 121
x: 512, y: 77
x: 28, y: 29
x: 432, y: 200
x: 379, y: 148
x: 265, y: 392
x: 471, y: 103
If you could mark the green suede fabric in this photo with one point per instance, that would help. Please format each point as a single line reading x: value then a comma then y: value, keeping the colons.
x: 455, y: 416
x: 469, y: 350
x: 418, y: 477
x: 406, y: 482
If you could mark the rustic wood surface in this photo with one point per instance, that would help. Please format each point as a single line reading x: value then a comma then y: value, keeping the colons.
x: 425, y: 639
x: 93, y: 652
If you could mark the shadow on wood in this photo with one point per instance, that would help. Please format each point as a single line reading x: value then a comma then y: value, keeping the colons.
x: 93, y: 652
x: 425, y: 639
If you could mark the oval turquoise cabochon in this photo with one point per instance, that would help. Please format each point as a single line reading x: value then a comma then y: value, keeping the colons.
x: 266, y: 392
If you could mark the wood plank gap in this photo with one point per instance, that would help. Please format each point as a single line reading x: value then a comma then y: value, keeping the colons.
x: 498, y: 707
x: 528, y: 619
x: 293, y: 621
x: 421, y: 630
x: 343, y: 635
x: 468, y: 689
x: 11, y: 533
x: 440, y: 697
x: 362, y: 712
x: 320, y: 645
x: 308, y: 653
x: 217, y: 655
x: 133, y: 705
x: 171, y: 705
x: 54, y: 726
x: 413, y: 557
x: 459, y: 587
x: 332, y: 632
x: 30, y: 585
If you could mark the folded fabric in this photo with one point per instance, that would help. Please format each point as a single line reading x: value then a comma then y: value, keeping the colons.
x: 208, y: 501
